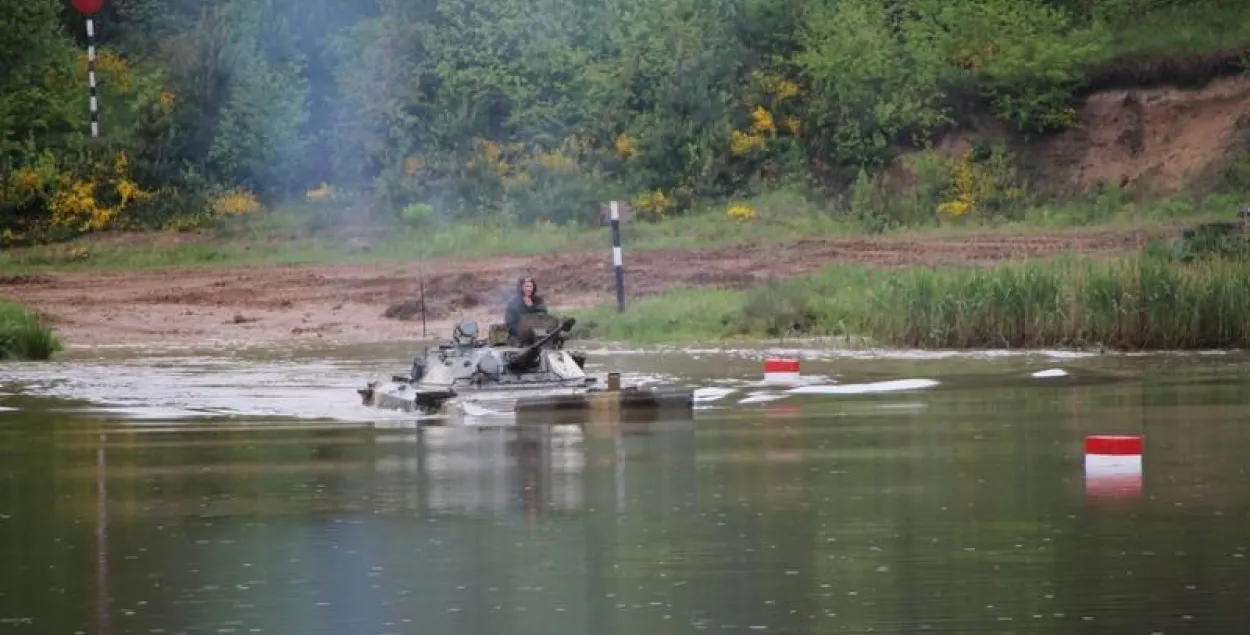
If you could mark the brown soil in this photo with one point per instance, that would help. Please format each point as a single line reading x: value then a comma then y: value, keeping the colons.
x: 1154, y: 140
x: 350, y: 302
x: 1157, y: 138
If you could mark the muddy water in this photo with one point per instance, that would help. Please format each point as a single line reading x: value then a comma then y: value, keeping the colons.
x: 206, y: 492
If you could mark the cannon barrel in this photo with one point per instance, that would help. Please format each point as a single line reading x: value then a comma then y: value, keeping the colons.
x: 526, y: 358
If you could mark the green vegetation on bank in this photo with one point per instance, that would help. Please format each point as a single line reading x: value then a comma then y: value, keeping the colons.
x: 23, y: 335
x: 781, y: 216
x: 1146, y: 300
x: 507, y: 113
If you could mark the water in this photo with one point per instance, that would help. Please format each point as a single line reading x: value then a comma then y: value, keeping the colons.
x: 209, y: 492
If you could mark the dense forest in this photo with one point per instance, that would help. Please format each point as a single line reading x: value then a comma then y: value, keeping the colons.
x: 516, y: 110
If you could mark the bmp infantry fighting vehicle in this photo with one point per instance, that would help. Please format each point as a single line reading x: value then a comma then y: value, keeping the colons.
x: 531, y: 376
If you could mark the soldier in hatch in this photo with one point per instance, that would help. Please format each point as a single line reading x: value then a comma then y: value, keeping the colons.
x: 527, y: 301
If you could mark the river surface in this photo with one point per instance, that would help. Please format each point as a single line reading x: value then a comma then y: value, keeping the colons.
x: 201, y: 491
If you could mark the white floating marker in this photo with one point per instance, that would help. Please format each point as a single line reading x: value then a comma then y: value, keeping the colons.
x: 892, y: 385
x: 779, y: 370
x: 761, y: 397
x: 1051, y: 372
x: 1113, y: 466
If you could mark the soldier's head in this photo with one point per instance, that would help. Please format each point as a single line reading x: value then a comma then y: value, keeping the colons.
x: 526, y: 286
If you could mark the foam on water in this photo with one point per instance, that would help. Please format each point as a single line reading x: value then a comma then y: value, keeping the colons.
x: 894, y: 385
x: 702, y: 395
x: 1050, y: 372
x: 761, y: 397
x: 740, y: 383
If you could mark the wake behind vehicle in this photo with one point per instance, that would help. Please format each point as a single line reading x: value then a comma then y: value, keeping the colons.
x: 532, y: 377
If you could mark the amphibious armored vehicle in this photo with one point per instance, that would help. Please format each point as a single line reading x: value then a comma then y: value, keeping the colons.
x: 532, y: 377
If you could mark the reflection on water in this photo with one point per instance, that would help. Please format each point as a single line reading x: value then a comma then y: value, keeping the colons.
x: 961, y: 508
x: 485, y: 471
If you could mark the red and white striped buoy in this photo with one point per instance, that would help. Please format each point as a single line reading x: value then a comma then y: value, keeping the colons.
x: 1113, y: 466
x: 781, y: 370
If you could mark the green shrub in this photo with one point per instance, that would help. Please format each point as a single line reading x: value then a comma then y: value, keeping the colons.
x: 24, y: 336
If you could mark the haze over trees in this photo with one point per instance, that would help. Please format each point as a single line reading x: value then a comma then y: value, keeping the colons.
x: 520, y: 110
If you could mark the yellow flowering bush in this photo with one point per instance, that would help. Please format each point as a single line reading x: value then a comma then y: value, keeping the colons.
x: 625, y: 146
x: 963, y: 185
x: 111, y: 67
x: 235, y: 202
x: 773, y: 102
x: 978, y: 186
x: 740, y: 212
x: 28, y: 181
x: 74, y: 206
x: 762, y: 121
x: 74, y: 203
x: 494, y: 157
x: 774, y: 86
x: 655, y: 204
x: 741, y: 143
x: 762, y: 127
x: 774, y: 105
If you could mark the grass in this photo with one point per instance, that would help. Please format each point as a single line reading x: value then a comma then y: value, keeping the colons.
x: 1149, y: 300
x: 285, y: 237
x: 1183, y: 31
x: 24, y: 336
x: 298, y: 236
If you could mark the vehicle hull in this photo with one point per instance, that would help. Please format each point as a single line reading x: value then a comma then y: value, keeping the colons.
x: 560, y: 405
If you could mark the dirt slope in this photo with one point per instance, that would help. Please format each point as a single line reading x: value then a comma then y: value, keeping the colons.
x: 1151, y: 139
x: 348, y: 302
x: 1157, y: 138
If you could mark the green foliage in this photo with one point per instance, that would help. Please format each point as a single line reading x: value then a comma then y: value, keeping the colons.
x: 516, y: 111
x: 418, y: 215
x: 24, y: 336
x: 874, y: 77
x: 1149, y: 300
x: 1227, y: 240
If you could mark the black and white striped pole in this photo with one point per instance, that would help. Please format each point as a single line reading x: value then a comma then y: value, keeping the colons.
x: 95, y: 103
x: 616, y: 256
x: 89, y: 8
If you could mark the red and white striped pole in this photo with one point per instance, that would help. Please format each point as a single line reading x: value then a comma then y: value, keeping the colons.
x: 89, y: 8
x: 1113, y: 466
